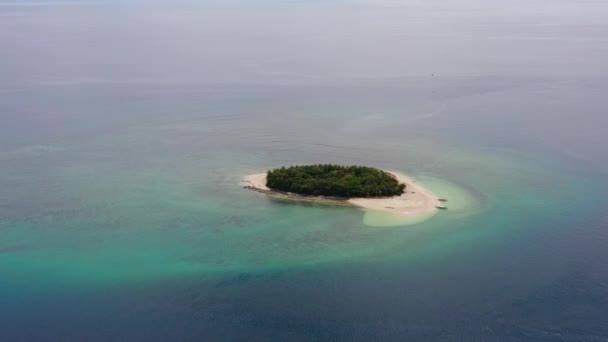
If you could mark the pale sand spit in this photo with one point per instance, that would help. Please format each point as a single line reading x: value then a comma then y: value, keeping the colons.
x: 415, y: 200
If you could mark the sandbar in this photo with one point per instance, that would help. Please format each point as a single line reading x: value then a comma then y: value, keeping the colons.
x: 416, y: 200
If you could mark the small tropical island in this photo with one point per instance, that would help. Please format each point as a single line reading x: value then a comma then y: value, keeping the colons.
x: 360, y: 186
x: 335, y: 181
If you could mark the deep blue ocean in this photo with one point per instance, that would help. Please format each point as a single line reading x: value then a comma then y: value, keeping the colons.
x: 126, y: 128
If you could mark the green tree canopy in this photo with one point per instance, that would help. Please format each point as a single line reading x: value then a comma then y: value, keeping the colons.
x: 334, y: 180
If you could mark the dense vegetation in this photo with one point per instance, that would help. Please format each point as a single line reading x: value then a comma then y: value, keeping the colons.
x: 334, y: 180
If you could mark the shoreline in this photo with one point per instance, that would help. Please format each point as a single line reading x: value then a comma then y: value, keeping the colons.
x: 416, y: 200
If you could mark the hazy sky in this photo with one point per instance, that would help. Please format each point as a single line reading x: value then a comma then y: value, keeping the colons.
x: 298, y: 41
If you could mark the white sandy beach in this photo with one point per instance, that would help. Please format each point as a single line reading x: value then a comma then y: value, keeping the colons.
x: 415, y: 200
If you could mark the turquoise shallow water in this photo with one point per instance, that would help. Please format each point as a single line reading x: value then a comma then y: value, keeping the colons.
x: 158, y: 216
x: 122, y: 215
x: 155, y: 214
